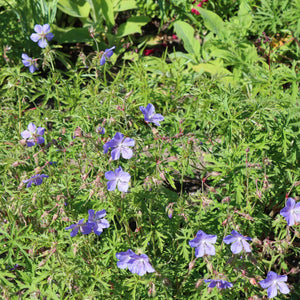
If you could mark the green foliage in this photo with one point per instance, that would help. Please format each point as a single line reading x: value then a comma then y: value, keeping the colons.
x: 225, y: 157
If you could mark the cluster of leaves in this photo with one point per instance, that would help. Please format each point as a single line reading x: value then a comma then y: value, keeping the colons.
x: 225, y: 157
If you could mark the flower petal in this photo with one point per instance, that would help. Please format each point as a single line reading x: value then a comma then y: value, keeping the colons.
x: 31, y: 127
x: 42, y: 43
x: 126, y: 153
x: 26, y: 134
x: 115, y: 154
x: 35, y: 37
x: 111, y: 185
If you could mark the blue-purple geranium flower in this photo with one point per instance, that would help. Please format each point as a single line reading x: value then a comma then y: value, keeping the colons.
x: 220, y: 284
x: 238, y: 242
x: 137, y: 264
x: 36, y: 179
x: 119, y: 146
x: 85, y: 228
x: 124, y: 258
x: 97, y: 222
x: 42, y: 35
x: 106, y: 54
x: 150, y: 115
x: 101, y: 130
x: 274, y: 282
x: 117, y: 178
x: 203, y: 244
x: 291, y: 212
x: 29, y: 62
x: 33, y: 135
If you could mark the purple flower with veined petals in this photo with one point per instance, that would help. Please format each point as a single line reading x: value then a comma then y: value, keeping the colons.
x: 238, y: 242
x: 291, y: 212
x: 85, y: 228
x: 36, y: 179
x: 124, y: 258
x: 137, y: 264
x: 119, y: 146
x: 42, y: 35
x: 33, y: 135
x: 29, y: 62
x: 220, y: 284
x: 203, y: 244
x: 274, y: 282
x: 150, y: 115
x: 97, y: 220
x: 117, y: 178
x: 106, y: 54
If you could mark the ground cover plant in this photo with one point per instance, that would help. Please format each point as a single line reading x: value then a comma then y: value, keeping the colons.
x: 149, y: 149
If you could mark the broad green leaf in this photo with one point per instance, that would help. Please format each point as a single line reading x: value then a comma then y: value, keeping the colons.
x: 186, y: 33
x: 102, y: 8
x: 244, y: 15
x: 133, y: 25
x: 212, y: 69
x: 213, y: 22
x: 122, y: 5
x: 72, y: 35
x: 80, y: 9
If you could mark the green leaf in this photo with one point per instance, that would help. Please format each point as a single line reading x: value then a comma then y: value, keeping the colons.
x: 122, y: 5
x: 102, y: 8
x: 186, y: 33
x: 80, y: 10
x: 244, y: 15
x: 212, y: 69
x: 72, y: 35
x: 133, y: 25
x: 213, y: 22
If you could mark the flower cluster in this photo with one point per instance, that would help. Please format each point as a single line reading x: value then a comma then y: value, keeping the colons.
x: 95, y: 223
x: 41, y: 36
x: 138, y: 264
x: 220, y: 284
x: 203, y: 243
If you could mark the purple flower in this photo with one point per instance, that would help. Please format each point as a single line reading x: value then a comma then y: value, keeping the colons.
x: 291, y: 212
x: 274, y: 281
x: 117, y: 178
x: 119, y: 146
x: 85, y: 228
x: 220, y: 284
x: 42, y: 35
x: 150, y: 115
x: 238, y: 242
x: 33, y: 135
x: 203, y: 244
x: 106, y: 54
x: 101, y: 130
x: 97, y: 221
x: 29, y: 62
x: 36, y: 179
x: 137, y: 264
x: 124, y: 258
